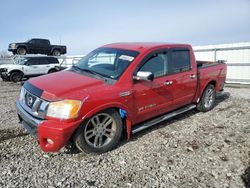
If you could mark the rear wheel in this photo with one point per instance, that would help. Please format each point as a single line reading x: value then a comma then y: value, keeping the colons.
x: 21, y: 51
x: 100, y: 133
x: 16, y: 76
x: 207, y: 100
x: 52, y: 70
x: 56, y: 52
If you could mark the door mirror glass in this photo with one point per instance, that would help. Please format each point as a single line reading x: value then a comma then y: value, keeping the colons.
x: 144, y: 75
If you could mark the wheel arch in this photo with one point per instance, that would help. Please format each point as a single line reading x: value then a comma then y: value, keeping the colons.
x: 16, y: 70
x: 53, y: 68
x: 55, y: 48
x: 210, y: 82
x: 22, y: 46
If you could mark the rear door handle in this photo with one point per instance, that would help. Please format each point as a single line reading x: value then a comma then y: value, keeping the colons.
x: 192, y: 76
x: 167, y: 83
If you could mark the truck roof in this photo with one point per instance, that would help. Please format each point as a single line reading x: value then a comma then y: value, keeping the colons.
x: 142, y: 46
x: 37, y: 39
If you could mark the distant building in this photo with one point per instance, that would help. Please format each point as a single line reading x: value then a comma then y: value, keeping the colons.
x: 237, y: 56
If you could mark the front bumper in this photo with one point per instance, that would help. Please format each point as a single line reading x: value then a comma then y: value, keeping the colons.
x: 4, y: 75
x: 52, y: 135
x: 27, y: 121
x: 11, y: 49
x: 4, y: 72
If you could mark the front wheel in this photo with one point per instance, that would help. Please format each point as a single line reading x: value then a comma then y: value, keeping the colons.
x: 21, y: 51
x: 100, y: 133
x: 207, y: 101
x: 16, y: 76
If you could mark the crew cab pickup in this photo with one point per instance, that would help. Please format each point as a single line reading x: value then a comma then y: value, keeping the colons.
x: 116, y: 88
x: 28, y: 67
x: 37, y: 46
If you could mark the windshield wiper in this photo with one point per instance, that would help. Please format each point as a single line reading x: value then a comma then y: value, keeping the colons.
x: 91, y: 71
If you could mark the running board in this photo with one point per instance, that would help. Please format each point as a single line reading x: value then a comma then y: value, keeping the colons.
x: 147, y: 124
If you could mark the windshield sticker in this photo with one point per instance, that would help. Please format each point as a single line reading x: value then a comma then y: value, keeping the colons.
x: 126, y: 58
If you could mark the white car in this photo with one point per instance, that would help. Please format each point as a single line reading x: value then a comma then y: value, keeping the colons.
x: 28, y: 67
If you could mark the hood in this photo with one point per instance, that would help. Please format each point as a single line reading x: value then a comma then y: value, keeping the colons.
x: 6, y: 66
x: 16, y: 43
x: 65, y: 84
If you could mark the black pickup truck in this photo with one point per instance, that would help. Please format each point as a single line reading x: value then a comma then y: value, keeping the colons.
x: 37, y: 46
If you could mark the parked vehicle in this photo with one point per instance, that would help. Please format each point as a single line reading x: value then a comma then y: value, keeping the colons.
x: 116, y: 88
x: 37, y: 46
x: 28, y: 67
x: 60, y: 68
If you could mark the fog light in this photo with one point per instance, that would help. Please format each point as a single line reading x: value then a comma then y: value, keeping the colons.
x: 49, y: 141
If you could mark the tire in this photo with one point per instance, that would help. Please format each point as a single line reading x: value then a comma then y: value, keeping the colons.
x: 56, y: 52
x: 21, y: 51
x: 16, y: 76
x: 207, y: 101
x: 52, y: 71
x: 93, y: 137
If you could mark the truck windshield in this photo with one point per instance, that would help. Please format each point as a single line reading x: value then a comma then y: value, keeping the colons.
x: 108, y: 62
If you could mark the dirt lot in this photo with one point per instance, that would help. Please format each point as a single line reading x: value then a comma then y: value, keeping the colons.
x: 192, y: 150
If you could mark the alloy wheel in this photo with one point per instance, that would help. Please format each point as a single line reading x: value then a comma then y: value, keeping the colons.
x: 100, y: 130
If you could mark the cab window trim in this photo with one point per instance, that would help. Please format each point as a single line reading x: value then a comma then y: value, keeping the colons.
x: 171, y: 60
x: 168, y: 52
x: 147, y: 58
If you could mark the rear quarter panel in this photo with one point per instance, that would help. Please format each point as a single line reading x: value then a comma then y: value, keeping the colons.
x: 216, y: 74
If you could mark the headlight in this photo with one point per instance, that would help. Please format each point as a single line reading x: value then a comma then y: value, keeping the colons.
x: 66, y: 109
x: 3, y: 70
x: 13, y: 45
x: 22, y: 94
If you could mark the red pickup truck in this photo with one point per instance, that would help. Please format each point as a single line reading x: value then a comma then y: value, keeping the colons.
x: 122, y: 87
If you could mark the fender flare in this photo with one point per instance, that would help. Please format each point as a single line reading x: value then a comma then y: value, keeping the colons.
x: 54, y: 48
x: 213, y: 82
x: 104, y: 107
x: 22, y: 45
x: 118, y: 106
x: 52, y: 68
x: 15, y: 70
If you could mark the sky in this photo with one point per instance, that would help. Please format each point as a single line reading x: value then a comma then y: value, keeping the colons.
x: 84, y: 25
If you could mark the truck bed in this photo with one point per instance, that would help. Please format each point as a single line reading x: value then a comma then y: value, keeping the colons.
x: 212, y: 70
x: 204, y: 64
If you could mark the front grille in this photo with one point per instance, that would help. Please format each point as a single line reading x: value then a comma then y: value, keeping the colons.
x: 30, y: 100
x: 33, y: 104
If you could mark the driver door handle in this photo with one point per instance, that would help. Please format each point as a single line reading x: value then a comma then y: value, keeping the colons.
x: 167, y: 83
x: 192, y: 76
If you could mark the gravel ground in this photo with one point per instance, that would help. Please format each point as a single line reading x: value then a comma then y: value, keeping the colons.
x: 192, y: 150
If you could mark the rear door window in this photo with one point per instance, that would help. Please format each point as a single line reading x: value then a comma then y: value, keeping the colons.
x: 31, y: 62
x: 53, y: 61
x: 44, y: 42
x: 180, y: 60
x: 43, y: 61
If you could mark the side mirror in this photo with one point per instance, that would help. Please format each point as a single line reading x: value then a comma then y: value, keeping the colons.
x: 144, y: 75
